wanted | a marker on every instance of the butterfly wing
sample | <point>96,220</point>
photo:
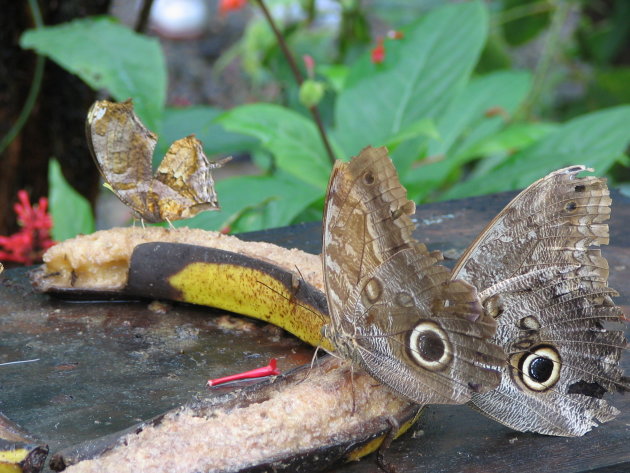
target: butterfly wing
<point>122,148</point>
<point>184,181</point>
<point>546,286</point>
<point>393,309</point>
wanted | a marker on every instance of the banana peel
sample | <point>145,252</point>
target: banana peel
<point>19,452</point>
<point>257,288</point>
<point>229,281</point>
<point>303,421</point>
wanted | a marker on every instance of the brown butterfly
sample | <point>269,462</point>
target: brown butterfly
<point>122,148</point>
<point>394,310</point>
<point>547,289</point>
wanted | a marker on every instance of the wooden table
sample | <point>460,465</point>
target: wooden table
<point>106,366</point>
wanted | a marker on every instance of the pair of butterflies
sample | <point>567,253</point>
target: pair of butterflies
<point>520,327</point>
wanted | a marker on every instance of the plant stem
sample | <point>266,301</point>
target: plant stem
<point>143,17</point>
<point>523,11</point>
<point>550,48</point>
<point>31,98</point>
<point>298,78</point>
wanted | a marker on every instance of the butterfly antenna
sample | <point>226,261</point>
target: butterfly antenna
<point>309,309</point>
<point>308,288</point>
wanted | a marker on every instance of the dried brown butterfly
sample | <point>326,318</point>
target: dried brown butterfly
<point>393,308</point>
<point>123,147</point>
<point>547,288</point>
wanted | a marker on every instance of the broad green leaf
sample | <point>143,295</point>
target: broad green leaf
<point>597,140</point>
<point>479,111</point>
<point>108,55</point>
<point>199,120</point>
<point>251,203</point>
<point>71,212</point>
<point>418,78</point>
<point>290,137</point>
<point>476,114</point>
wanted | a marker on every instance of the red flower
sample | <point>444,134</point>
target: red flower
<point>226,6</point>
<point>27,245</point>
<point>378,53</point>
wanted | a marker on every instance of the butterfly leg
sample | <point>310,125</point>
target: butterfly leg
<point>354,403</point>
<point>384,465</point>
<point>308,373</point>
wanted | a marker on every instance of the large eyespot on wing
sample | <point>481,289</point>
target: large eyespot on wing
<point>429,346</point>
<point>537,369</point>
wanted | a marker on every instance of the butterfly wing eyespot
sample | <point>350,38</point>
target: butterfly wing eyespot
<point>529,322</point>
<point>368,177</point>
<point>429,346</point>
<point>537,369</point>
<point>493,306</point>
<point>570,207</point>
<point>372,291</point>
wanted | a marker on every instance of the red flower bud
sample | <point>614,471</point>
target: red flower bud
<point>378,53</point>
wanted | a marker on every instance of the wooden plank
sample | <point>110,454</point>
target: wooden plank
<point>104,367</point>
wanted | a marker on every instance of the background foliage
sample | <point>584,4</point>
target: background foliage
<point>462,106</point>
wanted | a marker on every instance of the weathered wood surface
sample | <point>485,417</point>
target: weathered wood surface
<point>104,367</point>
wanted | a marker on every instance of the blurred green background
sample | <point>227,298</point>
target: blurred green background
<point>470,97</point>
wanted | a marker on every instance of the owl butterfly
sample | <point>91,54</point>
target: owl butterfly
<point>394,310</point>
<point>540,279</point>
<point>122,148</point>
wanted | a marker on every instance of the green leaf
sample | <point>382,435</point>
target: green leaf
<point>466,123</point>
<point>422,127</point>
<point>71,212</point>
<point>251,203</point>
<point>200,121</point>
<point>513,138</point>
<point>468,118</point>
<point>597,140</point>
<point>291,138</point>
<point>417,80</point>
<point>108,55</point>
<point>335,74</point>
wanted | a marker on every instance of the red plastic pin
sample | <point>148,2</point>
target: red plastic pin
<point>269,370</point>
